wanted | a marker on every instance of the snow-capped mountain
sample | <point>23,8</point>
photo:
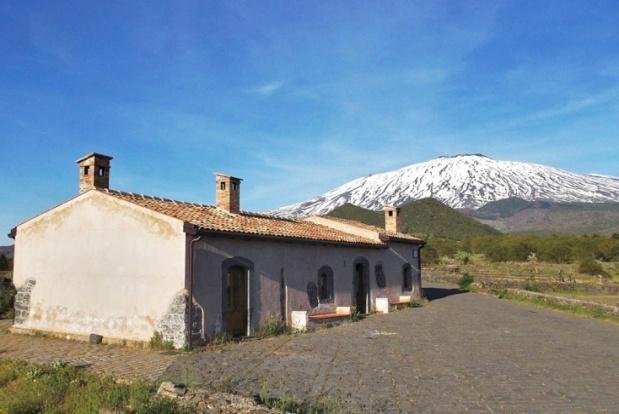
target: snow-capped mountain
<point>462,181</point>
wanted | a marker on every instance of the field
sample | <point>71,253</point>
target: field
<point>561,279</point>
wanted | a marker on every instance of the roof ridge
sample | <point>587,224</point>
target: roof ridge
<point>151,197</point>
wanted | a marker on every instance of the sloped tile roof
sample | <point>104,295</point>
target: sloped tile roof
<point>384,234</point>
<point>208,217</point>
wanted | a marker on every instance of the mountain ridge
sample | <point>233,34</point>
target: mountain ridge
<point>426,218</point>
<point>462,181</point>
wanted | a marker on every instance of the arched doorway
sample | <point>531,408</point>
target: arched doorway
<point>361,286</point>
<point>236,301</point>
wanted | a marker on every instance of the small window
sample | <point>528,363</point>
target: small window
<point>391,214</point>
<point>325,285</point>
<point>381,282</point>
<point>222,185</point>
<point>407,278</point>
<point>415,253</point>
<point>235,186</point>
<point>101,171</point>
<point>86,170</point>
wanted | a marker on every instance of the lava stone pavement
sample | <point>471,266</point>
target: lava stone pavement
<point>117,361</point>
<point>462,352</point>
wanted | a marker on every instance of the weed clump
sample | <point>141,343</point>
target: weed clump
<point>465,281</point>
<point>272,326</point>
<point>157,342</point>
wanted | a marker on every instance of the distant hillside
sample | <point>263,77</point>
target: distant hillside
<point>7,251</point>
<point>514,215</point>
<point>426,217</point>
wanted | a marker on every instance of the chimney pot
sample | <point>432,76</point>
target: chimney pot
<point>228,193</point>
<point>392,219</point>
<point>94,171</point>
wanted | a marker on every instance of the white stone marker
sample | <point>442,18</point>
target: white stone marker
<point>299,320</point>
<point>382,305</point>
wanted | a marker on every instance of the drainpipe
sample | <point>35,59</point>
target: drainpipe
<point>192,231</point>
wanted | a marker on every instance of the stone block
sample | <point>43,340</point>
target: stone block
<point>343,310</point>
<point>95,339</point>
<point>299,320</point>
<point>382,305</point>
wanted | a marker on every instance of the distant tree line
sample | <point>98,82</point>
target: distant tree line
<point>5,264</point>
<point>520,248</point>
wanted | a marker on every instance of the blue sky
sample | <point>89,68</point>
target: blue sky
<point>296,97</point>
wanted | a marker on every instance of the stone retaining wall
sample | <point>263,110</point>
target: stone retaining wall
<point>506,283</point>
<point>561,300</point>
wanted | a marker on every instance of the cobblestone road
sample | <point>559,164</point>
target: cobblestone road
<point>461,353</point>
<point>117,361</point>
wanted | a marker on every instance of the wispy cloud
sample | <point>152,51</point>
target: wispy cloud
<point>267,88</point>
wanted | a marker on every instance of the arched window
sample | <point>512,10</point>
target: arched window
<point>379,273</point>
<point>407,277</point>
<point>325,285</point>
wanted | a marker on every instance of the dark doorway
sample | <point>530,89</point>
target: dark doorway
<point>235,310</point>
<point>361,285</point>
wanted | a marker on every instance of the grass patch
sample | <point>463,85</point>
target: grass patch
<point>414,304</point>
<point>157,342</point>
<point>597,313</point>
<point>287,403</point>
<point>59,388</point>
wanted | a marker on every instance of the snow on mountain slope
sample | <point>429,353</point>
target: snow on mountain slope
<point>462,181</point>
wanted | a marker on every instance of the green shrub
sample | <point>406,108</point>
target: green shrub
<point>465,281</point>
<point>429,255</point>
<point>414,304</point>
<point>462,256</point>
<point>501,293</point>
<point>7,296</point>
<point>598,312</point>
<point>4,263</point>
<point>272,326</point>
<point>532,286</point>
<point>157,342</point>
<point>589,266</point>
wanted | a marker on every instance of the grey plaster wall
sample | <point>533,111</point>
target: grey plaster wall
<point>300,263</point>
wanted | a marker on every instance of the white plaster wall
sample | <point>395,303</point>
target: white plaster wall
<point>301,263</point>
<point>101,265</point>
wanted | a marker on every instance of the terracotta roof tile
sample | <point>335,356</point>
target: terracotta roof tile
<point>208,217</point>
<point>386,235</point>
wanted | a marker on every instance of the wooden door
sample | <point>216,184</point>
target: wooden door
<point>235,314</point>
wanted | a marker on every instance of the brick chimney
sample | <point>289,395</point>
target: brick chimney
<point>94,171</point>
<point>392,219</point>
<point>228,193</point>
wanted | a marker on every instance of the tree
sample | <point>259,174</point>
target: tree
<point>4,263</point>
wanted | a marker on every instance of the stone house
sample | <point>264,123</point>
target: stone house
<point>124,265</point>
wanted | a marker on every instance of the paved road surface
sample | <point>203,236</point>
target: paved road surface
<point>462,352</point>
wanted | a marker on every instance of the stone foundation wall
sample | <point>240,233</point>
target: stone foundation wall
<point>22,301</point>
<point>173,325</point>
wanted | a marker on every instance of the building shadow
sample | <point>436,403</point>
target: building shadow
<point>435,293</point>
